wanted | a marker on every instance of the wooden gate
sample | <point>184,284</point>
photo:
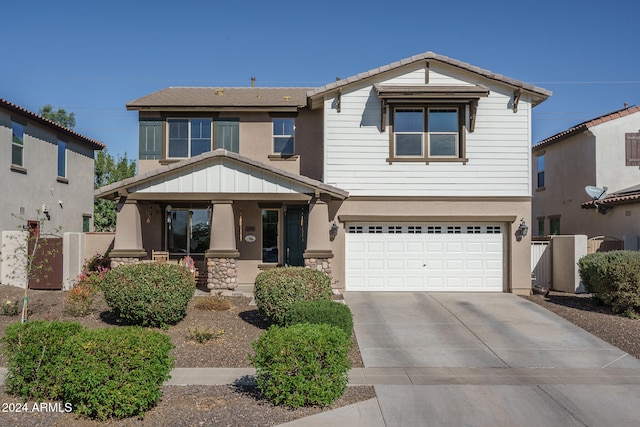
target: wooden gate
<point>604,244</point>
<point>46,267</point>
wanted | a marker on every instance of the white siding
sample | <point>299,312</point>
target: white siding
<point>498,150</point>
<point>221,177</point>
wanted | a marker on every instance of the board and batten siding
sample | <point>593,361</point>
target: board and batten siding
<point>356,151</point>
<point>217,176</point>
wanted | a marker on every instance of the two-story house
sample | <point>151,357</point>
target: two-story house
<point>47,168</point>
<point>410,176</point>
<point>47,176</point>
<point>600,152</point>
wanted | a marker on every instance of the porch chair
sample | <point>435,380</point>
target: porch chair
<point>161,257</point>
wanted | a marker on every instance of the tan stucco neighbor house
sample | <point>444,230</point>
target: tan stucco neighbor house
<point>414,176</point>
<point>600,152</point>
<point>46,167</point>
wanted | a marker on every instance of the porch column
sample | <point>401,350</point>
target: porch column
<point>222,256</point>
<point>127,246</point>
<point>319,255</point>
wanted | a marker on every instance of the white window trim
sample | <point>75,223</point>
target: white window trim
<point>422,136</point>
<point>188,119</point>
<point>283,136</point>
<point>21,146</point>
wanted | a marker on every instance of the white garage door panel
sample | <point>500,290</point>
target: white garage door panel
<point>427,257</point>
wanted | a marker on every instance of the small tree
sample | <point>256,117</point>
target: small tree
<point>59,116</point>
<point>107,171</point>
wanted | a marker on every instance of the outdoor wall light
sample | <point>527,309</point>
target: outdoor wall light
<point>523,228</point>
<point>334,231</point>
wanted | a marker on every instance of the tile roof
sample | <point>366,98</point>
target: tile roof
<point>541,93</point>
<point>213,97</point>
<point>96,145</point>
<point>620,197</point>
<point>584,126</point>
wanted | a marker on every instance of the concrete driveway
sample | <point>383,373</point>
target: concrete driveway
<point>481,359</point>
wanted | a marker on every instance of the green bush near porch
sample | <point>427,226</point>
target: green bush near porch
<point>302,365</point>
<point>615,279</point>
<point>149,294</point>
<point>277,289</point>
<point>320,312</point>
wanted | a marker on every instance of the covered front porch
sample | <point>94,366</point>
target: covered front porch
<point>235,217</point>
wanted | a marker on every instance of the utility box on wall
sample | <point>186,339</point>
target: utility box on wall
<point>567,250</point>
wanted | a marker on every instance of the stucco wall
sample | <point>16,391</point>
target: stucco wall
<point>24,193</point>
<point>517,264</point>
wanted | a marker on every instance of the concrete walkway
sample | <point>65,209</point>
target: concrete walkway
<point>462,359</point>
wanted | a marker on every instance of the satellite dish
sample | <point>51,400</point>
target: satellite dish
<point>596,193</point>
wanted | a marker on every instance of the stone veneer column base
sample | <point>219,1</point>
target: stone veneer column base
<point>322,264</point>
<point>222,273</point>
<point>115,262</point>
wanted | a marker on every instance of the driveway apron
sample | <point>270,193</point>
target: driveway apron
<point>487,359</point>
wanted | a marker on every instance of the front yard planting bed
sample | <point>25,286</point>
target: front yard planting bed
<point>229,405</point>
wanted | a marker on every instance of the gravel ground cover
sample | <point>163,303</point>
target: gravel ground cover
<point>581,310</point>
<point>239,405</point>
<point>227,405</point>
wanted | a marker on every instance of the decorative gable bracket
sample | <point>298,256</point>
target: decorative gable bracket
<point>516,97</point>
<point>430,94</point>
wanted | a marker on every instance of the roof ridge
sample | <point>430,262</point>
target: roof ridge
<point>99,145</point>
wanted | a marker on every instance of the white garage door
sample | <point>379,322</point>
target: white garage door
<point>424,257</point>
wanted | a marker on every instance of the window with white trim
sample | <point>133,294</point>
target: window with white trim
<point>17,144</point>
<point>284,136</point>
<point>188,137</point>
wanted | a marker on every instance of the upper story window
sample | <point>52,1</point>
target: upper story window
<point>632,149</point>
<point>227,134</point>
<point>283,136</point>
<point>62,159</point>
<point>17,144</point>
<point>540,168</point>
<point>189,137</point>
<point>427,134</point>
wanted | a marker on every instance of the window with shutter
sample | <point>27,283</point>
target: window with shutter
<point>632,149</point>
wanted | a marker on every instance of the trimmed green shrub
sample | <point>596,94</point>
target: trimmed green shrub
<point>615,279</point>
<point>276,289</point>
<point>319,312</point>
<point>36,353</point>
<point>149,294</point>
<point>116,372</point>
<point>302,365</point>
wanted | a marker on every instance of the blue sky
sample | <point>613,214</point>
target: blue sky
<point>91,58</point>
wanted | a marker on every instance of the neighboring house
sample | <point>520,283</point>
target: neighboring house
<point>408,177</point>
<point>601,152</point>
<point>47,168</point>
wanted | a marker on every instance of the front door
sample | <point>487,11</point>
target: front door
<point>295,234</point>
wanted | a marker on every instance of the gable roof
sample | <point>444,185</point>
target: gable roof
<point>96,145</point>
<point>222,98</point>
<point>539,94</point>
<point>584,126</point>
<point>151,178</point>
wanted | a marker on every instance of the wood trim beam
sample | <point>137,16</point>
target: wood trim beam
<point>516,97</point>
